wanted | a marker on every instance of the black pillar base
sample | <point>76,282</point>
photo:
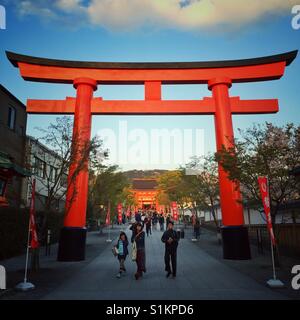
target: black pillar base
<point>235,242</point>
<point>72,244</point>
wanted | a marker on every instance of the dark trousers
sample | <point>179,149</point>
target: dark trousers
<point>140,262</point>
<point>171,255</point>
<point>122,264</point>
<point>148,230</point>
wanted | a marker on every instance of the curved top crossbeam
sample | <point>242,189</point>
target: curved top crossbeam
<point>15,58</point>
<point>65,71</point>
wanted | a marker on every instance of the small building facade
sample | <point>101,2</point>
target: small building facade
<point>45,166</point>
<point>13,121</point>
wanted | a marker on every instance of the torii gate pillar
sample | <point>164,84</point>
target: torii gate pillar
<point>234,233</point>
<point>73,235</point>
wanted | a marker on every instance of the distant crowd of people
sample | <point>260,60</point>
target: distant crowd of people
<point>152,219</point>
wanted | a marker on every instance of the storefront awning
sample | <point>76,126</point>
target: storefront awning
<point>7,165</point>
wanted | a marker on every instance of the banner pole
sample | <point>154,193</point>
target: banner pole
<point>273,261</point>
<point>108,224</point>
<point>272,283</point>
<point>25,286</point>
<point>272,248</point>
<point>27,252</point>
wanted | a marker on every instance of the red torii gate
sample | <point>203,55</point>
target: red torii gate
<point>219,76</point>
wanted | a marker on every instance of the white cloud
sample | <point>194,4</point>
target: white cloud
<point>26,8</point>
<point>69,5</point>
<point>182,14</point>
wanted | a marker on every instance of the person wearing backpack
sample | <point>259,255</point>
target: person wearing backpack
<point>122,249</point>
<point>170,239</point>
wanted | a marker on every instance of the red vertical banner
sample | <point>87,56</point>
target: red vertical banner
<point>175,211</point>
<point>264,191</point>
<point>120,213</point>
<point>107,220</point>
<point>34,237</point>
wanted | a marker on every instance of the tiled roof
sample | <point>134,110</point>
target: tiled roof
<point>144,184</point>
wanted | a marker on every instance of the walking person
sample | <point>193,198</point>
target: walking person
<point>143,216</point>
<point>197,228</point>
<point>154,220</point>
<point>147,222</point>
<point>170,239</point>
<point>138,217</point>
<point>168,220</point>
<point>139,239</point>
<point>122,248</point>
<point>161,222</point>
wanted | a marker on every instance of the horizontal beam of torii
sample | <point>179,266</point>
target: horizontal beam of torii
<point>153,107</point>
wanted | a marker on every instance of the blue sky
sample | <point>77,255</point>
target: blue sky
<point>70,34</point>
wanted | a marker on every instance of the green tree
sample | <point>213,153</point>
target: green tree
<point>202,178</point>
<point>108,187</point>
<point>265,150</point>
<point>172,187</point>
<point>128,197</point>
<point>62,150</point>
<point>60,141</point>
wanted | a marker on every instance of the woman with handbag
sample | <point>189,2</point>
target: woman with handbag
<point>139,240</point>
<point>122,252</point>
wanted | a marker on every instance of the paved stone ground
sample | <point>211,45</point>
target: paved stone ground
<point>201,275</point>
<point>51,273</point>
<point>259,268</point>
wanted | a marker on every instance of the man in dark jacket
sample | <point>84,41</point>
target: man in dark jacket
<point>138,217</point>
<point>170,239</point>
